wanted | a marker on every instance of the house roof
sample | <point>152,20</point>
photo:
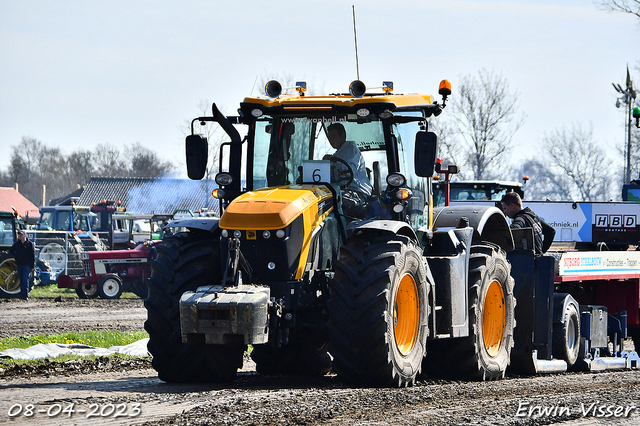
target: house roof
<point>147,195</point>
<point>9,197</point>
<point>66,200</point>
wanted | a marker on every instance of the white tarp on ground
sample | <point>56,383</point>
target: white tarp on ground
<point>53,350</point>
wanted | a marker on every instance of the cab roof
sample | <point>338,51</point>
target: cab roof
<point>292,102</point>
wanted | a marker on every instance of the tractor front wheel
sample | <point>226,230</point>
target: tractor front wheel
<point>185,262</point>
<point>110,286</point>
<point>378,310</point>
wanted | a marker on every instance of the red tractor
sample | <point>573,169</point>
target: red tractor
<point>109,273</point>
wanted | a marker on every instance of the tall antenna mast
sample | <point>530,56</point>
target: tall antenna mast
<point>355,38</point>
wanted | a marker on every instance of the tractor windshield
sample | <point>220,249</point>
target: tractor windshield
<point>284,146</point>
<point>295,150</point>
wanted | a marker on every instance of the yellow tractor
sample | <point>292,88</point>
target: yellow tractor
<point>329,254</point>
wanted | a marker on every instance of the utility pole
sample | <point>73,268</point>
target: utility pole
<point>627,98</point>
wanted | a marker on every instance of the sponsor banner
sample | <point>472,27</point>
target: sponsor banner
<point>599,263</point>
<point>590,222</point>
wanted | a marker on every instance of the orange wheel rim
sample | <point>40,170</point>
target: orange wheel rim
<point>494,323</point>
<point>406,315</point>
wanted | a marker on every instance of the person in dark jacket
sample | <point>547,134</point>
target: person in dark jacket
<point>543,233</point>
<point>25,257</point>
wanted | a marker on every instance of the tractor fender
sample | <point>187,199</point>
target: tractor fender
<point>560,303</point>
<point>210,224</point>
<point>489,223</point>
<point>392,226</point>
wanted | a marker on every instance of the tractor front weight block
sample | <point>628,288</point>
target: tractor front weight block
<point>225,314</point>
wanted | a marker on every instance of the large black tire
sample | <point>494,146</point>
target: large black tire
<point>566,337</point>
<point>185,262</point>
<point>378,322</point>
<point>87,290</point>
<point>485,353</point>
<point>110,286</point>
<point>9,281</point>
<point>305,355</point>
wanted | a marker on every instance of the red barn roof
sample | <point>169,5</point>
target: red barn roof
<point>9,197</point>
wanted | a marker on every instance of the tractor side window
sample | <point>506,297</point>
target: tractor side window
<point>64,221</point>
<point>280,148</point>
<point>94,221</point>
<point>46,221</point>
<point>80,222</point>
<point>261,153</point>
<point>405,134</point>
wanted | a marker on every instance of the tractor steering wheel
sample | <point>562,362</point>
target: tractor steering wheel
<point>348,174</point>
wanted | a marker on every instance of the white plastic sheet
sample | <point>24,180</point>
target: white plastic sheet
<point>53,350</point>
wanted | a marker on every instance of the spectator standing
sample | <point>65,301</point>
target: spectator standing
<point>24,254</point>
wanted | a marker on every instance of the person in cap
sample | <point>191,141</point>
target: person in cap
<point>24,254</point>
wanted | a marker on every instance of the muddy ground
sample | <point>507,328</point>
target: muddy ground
<point>115,392</point>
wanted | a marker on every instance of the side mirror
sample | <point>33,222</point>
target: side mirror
<point>197,149</point>
<point>425,153</point>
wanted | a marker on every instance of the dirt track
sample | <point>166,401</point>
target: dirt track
<point>113,393</point>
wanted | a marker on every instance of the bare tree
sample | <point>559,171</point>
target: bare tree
<point>579,159</point>
<point>485,116</point>
<point>79,167</point>
<point>626,6</point>
<point>543,183</point>
<point>108,161</point>
<point>145,163</point>
<point>24,168</point>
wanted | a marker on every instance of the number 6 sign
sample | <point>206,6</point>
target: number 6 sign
<point>316,171</point>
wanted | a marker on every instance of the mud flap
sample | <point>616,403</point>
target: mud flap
<point>224,314</point>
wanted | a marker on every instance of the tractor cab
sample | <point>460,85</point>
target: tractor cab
<point>361,147</point>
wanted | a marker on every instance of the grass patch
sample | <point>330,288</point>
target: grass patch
<point>99,339</point>
<point>52,291</point>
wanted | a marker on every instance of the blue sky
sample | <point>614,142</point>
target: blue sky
<point>74,73</point>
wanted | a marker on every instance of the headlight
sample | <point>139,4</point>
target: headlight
<point>396,179</point>
<point>84,256</point>
<point>224,179</point>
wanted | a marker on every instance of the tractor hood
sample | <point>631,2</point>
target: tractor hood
<point>276,208</point>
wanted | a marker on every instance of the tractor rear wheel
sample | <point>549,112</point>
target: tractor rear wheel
<point>9,282</point>
<point>378,310</point>
<point>566,337</point>
<point>185,262</point>
<point>485,353</point>
<point>87,290</point>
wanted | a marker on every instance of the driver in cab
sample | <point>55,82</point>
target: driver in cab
<point>360,188</point>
